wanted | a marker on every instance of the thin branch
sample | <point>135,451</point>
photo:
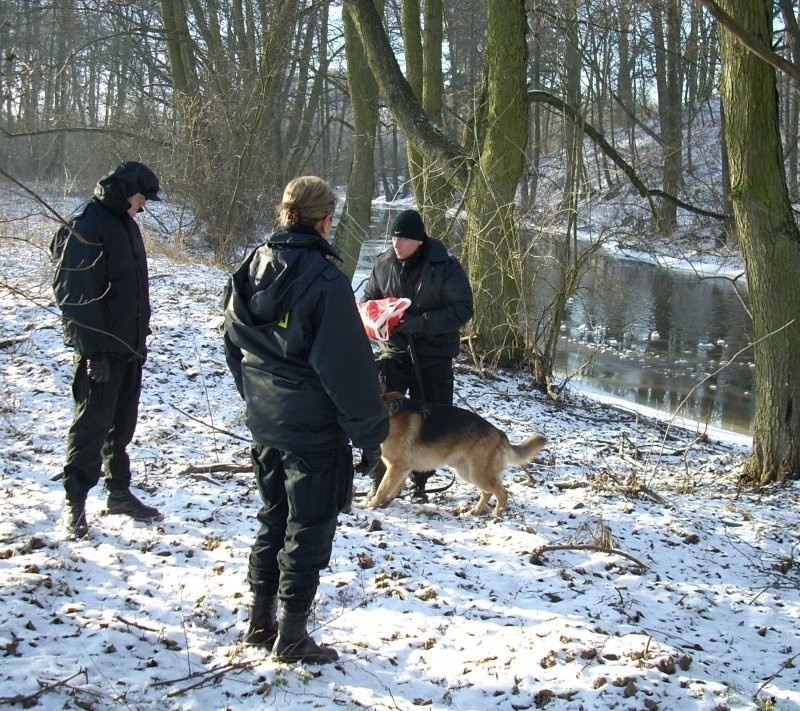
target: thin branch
<point>786,665</point>
<point>138,625</point>
<point>536,555</point>
<point>211,427</point>
<point>26,701</point>
<point>550,99</point>
<point>205,677</point>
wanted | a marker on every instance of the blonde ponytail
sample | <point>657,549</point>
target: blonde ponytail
<point>306,200</point>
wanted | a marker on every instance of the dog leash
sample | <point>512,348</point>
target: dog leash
<point>412,351</point>
<point>439,489</point>
<point>435,490</point>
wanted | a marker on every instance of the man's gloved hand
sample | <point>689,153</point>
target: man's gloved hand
<point>370,462</point>
<point>412,326</point>
<point>98,369</point>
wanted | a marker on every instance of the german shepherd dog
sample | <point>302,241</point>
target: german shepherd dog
<point>424,436</point>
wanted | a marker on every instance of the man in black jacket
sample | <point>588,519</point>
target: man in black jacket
<point>418,357</point>
<point>301,361</point>
<point>101,286</point>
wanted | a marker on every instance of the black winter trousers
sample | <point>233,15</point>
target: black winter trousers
<point>399,375</point>
<point>103,425</point>
<point>302,494</point>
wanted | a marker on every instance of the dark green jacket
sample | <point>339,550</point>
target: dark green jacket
<point>297,349</point>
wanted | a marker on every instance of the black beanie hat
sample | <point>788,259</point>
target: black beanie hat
<point>136,178</point>
<point>408,224</point>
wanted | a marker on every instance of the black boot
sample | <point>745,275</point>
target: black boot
<point>125,503</point>
<point>294,645</point>
<point>372,465</point>
<point>263,627</point>
<point>376,482</point>
<point>77,527</point>
<point>420,479</point>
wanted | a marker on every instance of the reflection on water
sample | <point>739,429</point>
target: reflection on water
<point>663,339</point>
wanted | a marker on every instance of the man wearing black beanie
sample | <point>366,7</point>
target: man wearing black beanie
<point>418,357</point>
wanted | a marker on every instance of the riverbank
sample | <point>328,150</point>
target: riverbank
<point>662,331</point>
<point>629,568</point>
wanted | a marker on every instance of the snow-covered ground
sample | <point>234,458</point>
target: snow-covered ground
<point>629,571</point>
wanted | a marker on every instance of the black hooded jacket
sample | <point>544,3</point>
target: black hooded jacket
<point>297,349</point>
<point>101,280</point>
<point>439,291</point>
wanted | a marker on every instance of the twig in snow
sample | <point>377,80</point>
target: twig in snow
<point>28,700</point>
<point>136,624</point>
<point>210,468</point>
<point>563,485</point>
<point>786,665</point>
<point>536,555</point>
<point>211,427</point>
<point>635,490</point>
<point>204,677</point>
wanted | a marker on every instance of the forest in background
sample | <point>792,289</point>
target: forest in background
<point>462,103</point>
<point>232,99</point>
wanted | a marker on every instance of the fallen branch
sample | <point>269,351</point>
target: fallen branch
<point>220,467</point>
<point>211,427</point>
<point>196,471</point>
<point>536,555</point>
<point>639,489</point>
<point>11,341</point>
<point>564,485</point>
<point>786,665</point>
<point>204,677</point>
<point>137,625</point>
<point>634,489</point>
<point>28,700</point>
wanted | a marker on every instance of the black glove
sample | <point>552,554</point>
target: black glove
<point>98,369</point>
<point>412,326</point>
<point>370,462</point>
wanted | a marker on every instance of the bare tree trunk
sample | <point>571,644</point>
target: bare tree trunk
<point>790,98</point>
<point>573,134</point>
<point>412,44</point>
<point>770,243</point>
<point>492,241</point>
<point>534,149</point>
<point>353,227</point>
<point>423,46</point>
<point>625,68</point>
<point>667,33</point>
<point>436,190</point>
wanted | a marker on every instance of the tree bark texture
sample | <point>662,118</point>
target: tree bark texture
<point>769,239</point>
<point>353,227</point>
<point>492,250</point>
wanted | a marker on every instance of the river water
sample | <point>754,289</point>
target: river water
<point>661,338</point>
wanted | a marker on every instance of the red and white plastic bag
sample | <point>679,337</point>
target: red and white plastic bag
<point>381,316</point>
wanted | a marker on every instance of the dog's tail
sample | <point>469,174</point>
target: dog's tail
<point>525,451</point>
